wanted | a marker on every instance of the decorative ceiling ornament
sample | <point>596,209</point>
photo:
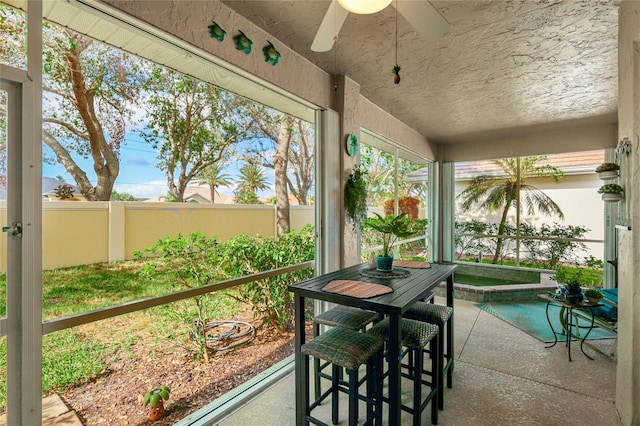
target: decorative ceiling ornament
<point>271,55</point>
<point>396,69</point>
<point>396,74</point>
<point>243,42</point>
<point>216,32</point>
<point>364,7</point>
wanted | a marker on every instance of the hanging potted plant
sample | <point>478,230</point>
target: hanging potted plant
<point>355,195</point>
<point>611,192</point>
<point>607,171</point>
<point>391,227</point>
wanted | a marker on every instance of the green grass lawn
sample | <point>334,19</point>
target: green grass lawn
<point>73,356</point>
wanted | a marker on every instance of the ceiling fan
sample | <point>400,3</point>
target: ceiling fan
<point>424,18</point>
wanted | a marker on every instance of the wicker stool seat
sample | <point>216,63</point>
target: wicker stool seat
<point>416,335</point>
<point>346,317</point>
<point>349,349</point>
<point>441,316</point>
<point>340,316</point>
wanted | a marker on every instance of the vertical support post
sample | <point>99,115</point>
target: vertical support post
<point>24,280</point>
<point>301,364</point>
<point>116,231</point>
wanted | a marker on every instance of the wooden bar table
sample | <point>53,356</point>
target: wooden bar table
<point>416,285</point>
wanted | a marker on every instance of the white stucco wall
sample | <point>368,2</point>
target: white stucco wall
<point>628,369</point>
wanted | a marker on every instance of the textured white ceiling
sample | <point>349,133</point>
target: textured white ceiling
<point>501,65</point>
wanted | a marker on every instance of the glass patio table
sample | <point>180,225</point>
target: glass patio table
<point>406,291</point>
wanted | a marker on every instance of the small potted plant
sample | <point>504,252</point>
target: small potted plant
<point>611,192</point>
<point>593,294</point>
<point>391,227</point>
<point>607,171</point>
<point>155,397</point>
<point>571,281</point>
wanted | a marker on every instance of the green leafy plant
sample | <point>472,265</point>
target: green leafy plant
<point>611,188</point>
<point>607,167</point>
<point>393,227</point>
<point>555,243</point>
<point>191,261</point>
<point>270,298</point>
<point>593,294</point>
<point>355,195</point>
<point>570,277</point>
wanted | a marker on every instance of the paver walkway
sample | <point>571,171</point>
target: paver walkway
<point>54,412</point>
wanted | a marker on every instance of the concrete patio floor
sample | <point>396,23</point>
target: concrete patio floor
<point>502,376</point>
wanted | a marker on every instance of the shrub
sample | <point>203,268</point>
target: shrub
<point>270,299</point>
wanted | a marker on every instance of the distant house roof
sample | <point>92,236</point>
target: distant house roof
<point>196,194</point>
<point>49,185</point>
<point>571,163</point>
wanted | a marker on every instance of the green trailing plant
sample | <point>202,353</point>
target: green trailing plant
<point>393,227</point>
<point>355,195</point>
<point>610,188</point>
<point>607,167</point>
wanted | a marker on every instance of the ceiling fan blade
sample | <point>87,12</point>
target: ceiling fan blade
<point>329,28</point>
<point>424,18</point>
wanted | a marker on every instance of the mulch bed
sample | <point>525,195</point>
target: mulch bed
<point>116,397</point>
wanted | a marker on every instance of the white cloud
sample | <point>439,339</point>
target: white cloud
<point>149,189</point>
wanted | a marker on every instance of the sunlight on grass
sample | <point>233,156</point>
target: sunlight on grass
<point>74,356</point>
<point>67,358</point>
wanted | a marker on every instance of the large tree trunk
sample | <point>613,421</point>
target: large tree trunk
<point>501,228</point>
<point>105,161</point>
<point>280,162</point>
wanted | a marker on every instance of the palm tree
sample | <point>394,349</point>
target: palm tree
<point>214,177</point>
<point>252,179</point>
<point>501,192</point>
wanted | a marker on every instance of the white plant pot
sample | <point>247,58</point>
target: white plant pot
<point>611,198</point>
<point>608,175</point>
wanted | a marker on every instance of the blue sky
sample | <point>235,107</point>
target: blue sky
<point>139,175</point>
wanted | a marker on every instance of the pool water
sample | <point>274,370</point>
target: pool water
<point>483,281</point>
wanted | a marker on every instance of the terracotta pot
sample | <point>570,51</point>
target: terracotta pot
<point>156,412</point>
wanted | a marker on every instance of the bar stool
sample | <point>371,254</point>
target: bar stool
<point>438,315</point>
<point>349,349</point>
<point>340,316</point>
<point>415,335</point>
